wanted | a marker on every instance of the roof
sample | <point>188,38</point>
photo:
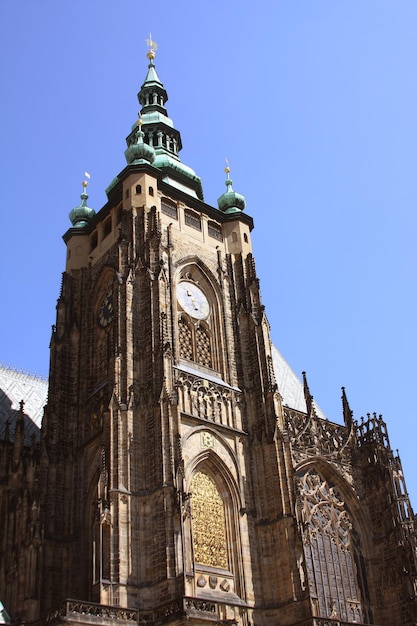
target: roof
<point>4,616</point>
<point>15,386</point>
<point>290,386</point>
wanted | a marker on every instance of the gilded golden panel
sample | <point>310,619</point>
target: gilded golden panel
<point>209,525</point>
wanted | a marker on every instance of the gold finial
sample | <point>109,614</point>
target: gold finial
<point>140,121</point>
<point>85,182</point>
<point>153,47</point>
<point>227,168</point>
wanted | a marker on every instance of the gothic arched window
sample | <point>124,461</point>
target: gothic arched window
<point>198,320</point>
<point>194,343</point>
<point>332,551</point>
<point>185,340</point>
<point>202,346</point>
<point>208,522</point>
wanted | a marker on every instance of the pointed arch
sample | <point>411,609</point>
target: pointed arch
<point>215,502</point>
<point>208,522</point>
<point>333,549</point>
<point>205,333</point>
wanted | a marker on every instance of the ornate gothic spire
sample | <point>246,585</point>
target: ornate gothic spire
<point>157,131</point>
<point>308,397</point>
<point>347,413</point>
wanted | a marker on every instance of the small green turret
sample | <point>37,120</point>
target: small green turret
<point>82,215</point>
<point>231,201</point>
<point>140,151</point>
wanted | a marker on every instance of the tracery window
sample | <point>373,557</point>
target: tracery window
<point>208,522</point>
<point>185,340</point>
<point>202,345</point>
<point>332,551</point>
<point>194,343</point>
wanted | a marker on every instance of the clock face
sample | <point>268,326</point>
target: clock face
<point>105,314</point>
<point>192,300</point>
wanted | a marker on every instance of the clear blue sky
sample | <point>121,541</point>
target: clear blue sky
<point>314,104</point>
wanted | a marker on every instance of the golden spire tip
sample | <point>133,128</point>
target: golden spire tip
<point>85,182</point>
<point>153,47</point>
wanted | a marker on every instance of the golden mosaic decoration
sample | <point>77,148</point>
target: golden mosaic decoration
<point>209,524</point>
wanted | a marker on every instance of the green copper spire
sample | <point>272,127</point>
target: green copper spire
<point>231,201</point>
<point>82,215</point>
<point>158,132</point>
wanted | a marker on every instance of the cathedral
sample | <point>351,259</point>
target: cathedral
<point>177,471</point>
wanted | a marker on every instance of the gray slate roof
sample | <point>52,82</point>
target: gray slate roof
<point>290,386</point>
<point>14,387</point>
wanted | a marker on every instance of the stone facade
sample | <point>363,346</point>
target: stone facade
<point>171,484</point>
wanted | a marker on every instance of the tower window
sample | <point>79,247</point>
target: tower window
<point>138,190</point>
<point>202,345</point>
<point>245,238</point>
<point>93,241</point>
<point>150,191</point>
<point>127,193</point>
<point>215,231</point>
<point>192,219</point>
<point>194,343</point>
<point>185,340</point>
<point>106,228</point>
<point>169,208</point>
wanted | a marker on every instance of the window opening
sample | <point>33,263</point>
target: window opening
<point>192,219</point>
<point>334,562</point>
<point>106,228</point>
<point>93,241</point>
<point>203,351</point>
<point>215,231</point>
<point>185,340</point>
<point>168,208</point>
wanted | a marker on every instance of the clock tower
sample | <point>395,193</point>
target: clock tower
<point>163,403</point>
<point>184,473</point>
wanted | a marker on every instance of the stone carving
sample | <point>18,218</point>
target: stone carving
<point>207,440</point>
<point>213,582</point>
<point>201,605</point>
<point>208,400</point>
<point>314,436</point>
